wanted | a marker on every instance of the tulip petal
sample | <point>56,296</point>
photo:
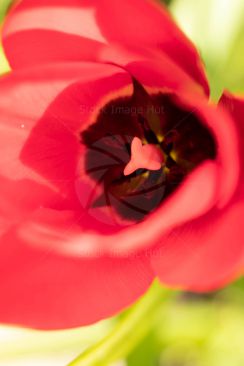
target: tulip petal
<point>20,197</point>
<point>46,290</point>
<point>235,106</point>
<point>39,31</point>
<point>204,254</point>
<point>40,284</point>
<point>208,252</point>
<point>148,24</point>
<point>40,144</point>
<point>152,69</point>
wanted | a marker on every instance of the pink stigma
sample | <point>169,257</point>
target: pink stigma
<point>143,157</point>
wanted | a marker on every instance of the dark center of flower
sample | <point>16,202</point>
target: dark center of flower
<point>140,149</point>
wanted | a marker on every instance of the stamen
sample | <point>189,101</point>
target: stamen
<point>149,134</point>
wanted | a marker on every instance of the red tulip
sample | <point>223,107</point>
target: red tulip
<point>87,221</point>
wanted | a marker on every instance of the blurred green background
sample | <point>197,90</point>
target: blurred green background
<point>185,329</point>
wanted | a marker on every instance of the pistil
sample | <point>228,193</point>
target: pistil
<point>148,157</point>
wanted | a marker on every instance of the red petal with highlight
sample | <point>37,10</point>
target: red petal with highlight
<point>208,252</point>
<point>40,31</point>
<point>50,290</point>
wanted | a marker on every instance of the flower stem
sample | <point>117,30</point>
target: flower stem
<point>130,330</point>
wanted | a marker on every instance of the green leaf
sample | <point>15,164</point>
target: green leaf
<point>4,5</point>
<point>216,27</point>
